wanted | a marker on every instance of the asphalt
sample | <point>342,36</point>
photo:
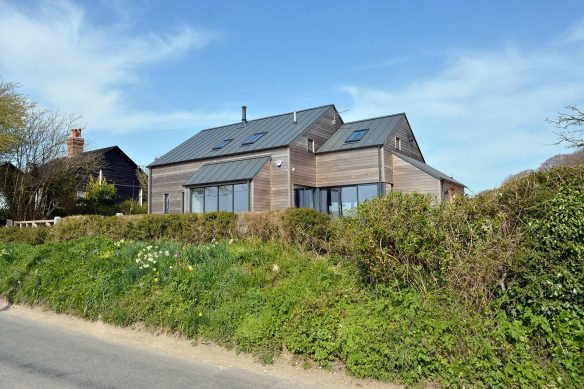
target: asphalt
<point>39,355</point>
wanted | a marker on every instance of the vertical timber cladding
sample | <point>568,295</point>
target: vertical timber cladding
<point>408,178</point>
<point>303,170</point>
<point>170,179</point>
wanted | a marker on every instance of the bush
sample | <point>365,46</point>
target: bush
<point>131,207</point>
<point>308,227</point>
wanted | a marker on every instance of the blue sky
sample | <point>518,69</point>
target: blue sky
<point>476,79</point>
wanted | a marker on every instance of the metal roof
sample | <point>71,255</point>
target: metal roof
<point>427,168</point>
<point>379,131</point>
<point>280,132</point>
<point>234,170</point>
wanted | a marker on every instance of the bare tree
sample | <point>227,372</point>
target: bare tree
<point>46,179</point>
<point>143,181</point>
<point>570,127</point>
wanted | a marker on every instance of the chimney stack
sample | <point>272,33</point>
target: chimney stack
<point>244,115</point>
<point>75,143</point>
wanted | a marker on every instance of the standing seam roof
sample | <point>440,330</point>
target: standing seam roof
<point>281,131</point>
<point>234,170</point>
<point>427,168</point>
<point>379,131</point>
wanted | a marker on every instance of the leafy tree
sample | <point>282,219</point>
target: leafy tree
<point>99,193</point>
<point>13,110</point>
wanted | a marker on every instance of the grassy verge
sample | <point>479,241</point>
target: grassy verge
<point>260,297</point>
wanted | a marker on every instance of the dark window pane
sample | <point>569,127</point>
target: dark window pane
<point>308,198</point>
<point>240,198</point>
<point>226,198</point>
<point>333,202</point>
<point>166,204</point>
<point>298,199</point>
<point>211,199</point>
<point>311,145</point>
<point>222,144</point>
<point>356,136</point>
<point>349,199</point>
<point>367,192</point>
<point>182,202</point>
<point>253,138</point>
<point>197,196</point>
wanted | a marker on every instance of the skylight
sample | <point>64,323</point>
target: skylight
<point>356,136</point>
<point>222,144</point>
<point>253,138</point>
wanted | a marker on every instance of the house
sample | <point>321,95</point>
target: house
<point>114,165</point>
<point>309,158</point>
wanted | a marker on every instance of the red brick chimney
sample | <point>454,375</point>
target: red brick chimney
<point>75,143</point>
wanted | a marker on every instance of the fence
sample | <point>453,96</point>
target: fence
<point>33,223</point>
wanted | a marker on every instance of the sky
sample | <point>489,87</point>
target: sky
<point>476,79</point>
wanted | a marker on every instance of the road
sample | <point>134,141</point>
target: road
<point>39,355</point>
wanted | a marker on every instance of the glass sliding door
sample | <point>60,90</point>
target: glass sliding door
<point>348,199</point>
<point>367,192</point>
<point>226,198</point>
<point>197,200</point>
<point>241,197</point>
<point>211,199</point>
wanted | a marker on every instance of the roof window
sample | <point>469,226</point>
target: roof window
<point>222,144</point>
<point>253,138</point>
<point>356,136</point>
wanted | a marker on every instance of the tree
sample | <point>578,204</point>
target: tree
<point>45,179</point>
<point>570,127</point>
<point>143,181</point>
<point>13,109</point>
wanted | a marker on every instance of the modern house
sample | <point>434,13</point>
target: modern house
<point>113,163</point>
<point>307,158</point>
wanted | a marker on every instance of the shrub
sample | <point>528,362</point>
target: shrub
<point>131,207</point>
<point>308,227</point>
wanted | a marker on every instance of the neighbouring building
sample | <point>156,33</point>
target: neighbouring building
<point>113,164</point>
<point>308,158</point>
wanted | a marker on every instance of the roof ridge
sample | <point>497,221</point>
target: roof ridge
<point>268,117</point>
<point>375,118</point>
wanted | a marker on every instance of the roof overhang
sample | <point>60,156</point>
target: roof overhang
<point>234,170</point>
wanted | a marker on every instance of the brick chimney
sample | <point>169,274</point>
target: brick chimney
<point>75,143</point>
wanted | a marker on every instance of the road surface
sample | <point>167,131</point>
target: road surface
<point>38,355</point>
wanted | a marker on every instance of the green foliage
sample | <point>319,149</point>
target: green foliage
<point>486,292</point>
<point>131,207</point>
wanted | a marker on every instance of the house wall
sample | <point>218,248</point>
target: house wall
<point>347,167</point>
<point>408,178</point>
<point>121,171</point>
<point>451,191</point>
<point>261,187</point>
<point>303,162</point>
<point>170,179</point>
<point>409,146</point>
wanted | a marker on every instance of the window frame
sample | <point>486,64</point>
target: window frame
<point>359,134</point>
<point>222,144</point>
<point>398,144</point>
<point>251,139</point>
<point>165,203</point>
<point>206,200</point>
<point>310,145</point>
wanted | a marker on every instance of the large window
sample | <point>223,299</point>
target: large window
<point>197,200</point>
<point>304,197</point>
<point>226,198</point>
<point>340,201</point>
<point>229,198</point>
<point>240,198</point>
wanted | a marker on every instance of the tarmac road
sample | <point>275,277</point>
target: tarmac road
<point>38,355</point>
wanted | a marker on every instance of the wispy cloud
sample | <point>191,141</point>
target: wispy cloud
<point>482,117</point>
<point>72,65</point>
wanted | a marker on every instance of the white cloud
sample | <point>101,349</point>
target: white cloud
<point>482,117</point>
<point>70,64</point>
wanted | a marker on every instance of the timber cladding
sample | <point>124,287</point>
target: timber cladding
<point>348,167</point>
<point>303,162</point>
<point>169,179</point>
<point>408,178</point>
